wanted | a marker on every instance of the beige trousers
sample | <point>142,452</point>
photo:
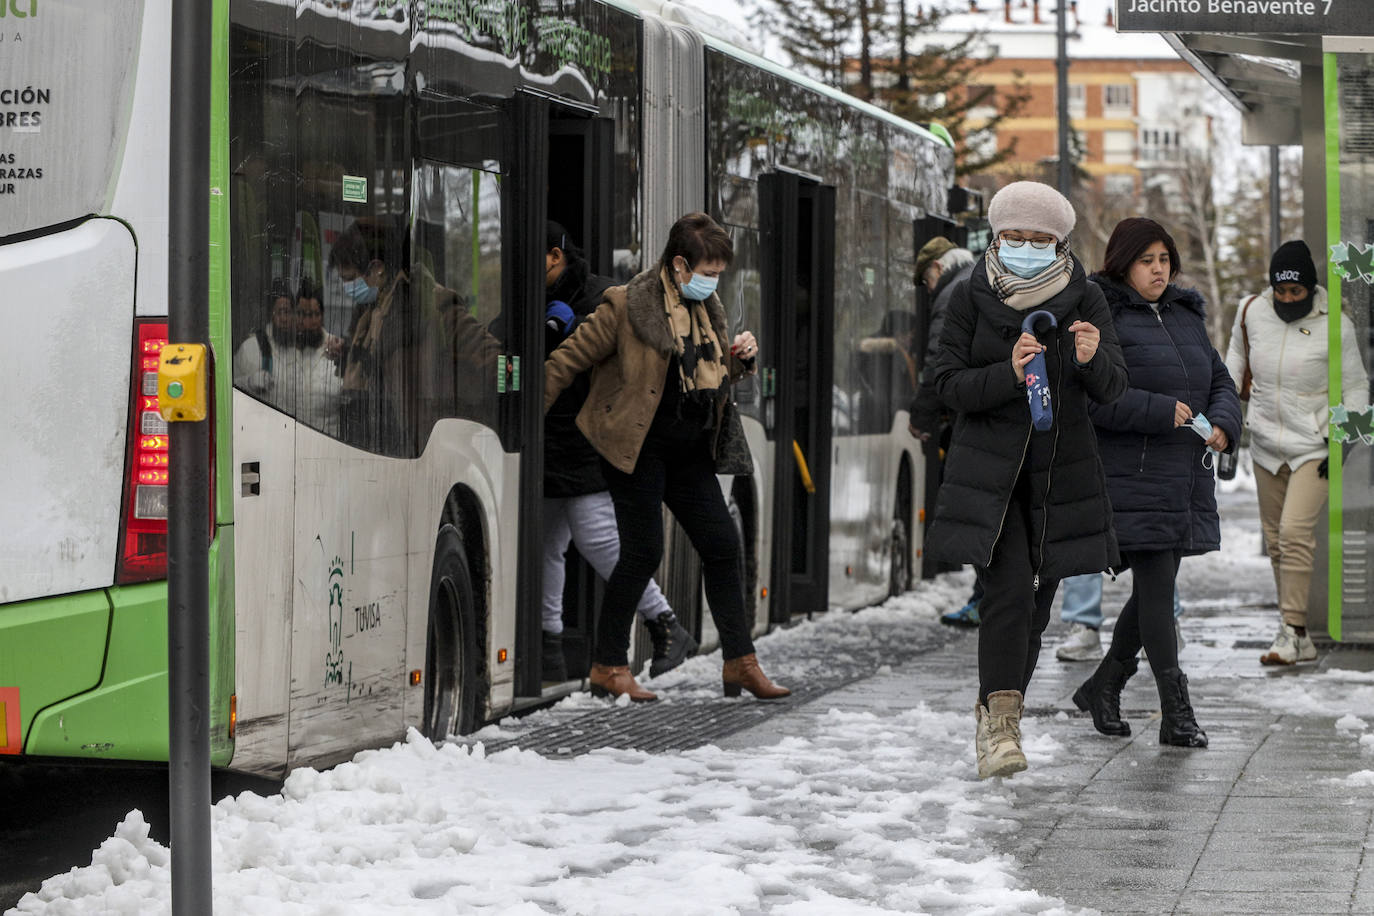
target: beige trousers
<point>1290,504</point>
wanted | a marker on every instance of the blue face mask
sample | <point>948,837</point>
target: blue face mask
<point>1026,261</point>
<point>358,290</point>
<point>699,287</point>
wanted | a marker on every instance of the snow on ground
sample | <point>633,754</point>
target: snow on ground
<point>869,814</point>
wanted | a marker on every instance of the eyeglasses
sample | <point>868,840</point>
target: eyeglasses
<point>1034,243</point>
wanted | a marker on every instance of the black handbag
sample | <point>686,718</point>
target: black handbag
<point>732,449</point>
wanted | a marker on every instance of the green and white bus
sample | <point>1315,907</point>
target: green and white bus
<point>375,552</point>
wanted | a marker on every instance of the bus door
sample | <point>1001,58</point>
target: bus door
<point>797,341</point>
<point>580,157</point>
<point>560,161</point>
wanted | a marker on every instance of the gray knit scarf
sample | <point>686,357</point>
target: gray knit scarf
<point>1021,293</point>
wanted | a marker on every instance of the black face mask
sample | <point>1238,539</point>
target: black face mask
<point>1292,311</point>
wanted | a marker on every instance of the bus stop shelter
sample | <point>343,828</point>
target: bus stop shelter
<point>1301,72</point>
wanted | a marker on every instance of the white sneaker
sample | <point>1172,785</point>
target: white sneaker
<point>1083,644</point>
<point>1289,648</point>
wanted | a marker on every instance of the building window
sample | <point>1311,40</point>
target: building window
<point>1118,147</point>
<point>1117,98</point>
<point>1078,100</point>
<point>1158,145</point>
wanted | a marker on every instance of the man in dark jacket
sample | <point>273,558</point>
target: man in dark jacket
<point>577,504</point>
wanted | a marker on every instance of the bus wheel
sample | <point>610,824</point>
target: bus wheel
<point>899,578</point>
<point>451,676</point>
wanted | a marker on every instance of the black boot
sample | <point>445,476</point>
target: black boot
<point>553,666</point>
<point>673,645</point>
<point>1101,695</point>
<point>1177,726</point>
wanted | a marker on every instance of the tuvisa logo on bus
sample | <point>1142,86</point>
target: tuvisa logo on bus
<point>333,660</point>
<point>19,9</point>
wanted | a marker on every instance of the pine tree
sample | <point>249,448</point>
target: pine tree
<point>814,34</point>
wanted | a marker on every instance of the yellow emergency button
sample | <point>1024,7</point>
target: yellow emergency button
<point>181,382</point>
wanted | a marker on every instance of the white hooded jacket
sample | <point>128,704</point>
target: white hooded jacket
<point>1288,416</point>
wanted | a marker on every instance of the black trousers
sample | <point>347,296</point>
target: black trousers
<point>680,474</point>
<point>1013,613</point>
<point>1148,616</point>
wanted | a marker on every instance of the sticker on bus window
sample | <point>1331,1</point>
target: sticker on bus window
<point>1352,427</point>
<point>355,189</point>
<point>10,742</point>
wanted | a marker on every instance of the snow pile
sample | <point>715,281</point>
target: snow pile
<point>876,814</point>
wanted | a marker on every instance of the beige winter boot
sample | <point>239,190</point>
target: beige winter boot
<point>999,735</point>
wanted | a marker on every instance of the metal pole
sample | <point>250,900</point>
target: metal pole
<point>1062,100</point>
<point>188,616</point>
<point>1275,201</point>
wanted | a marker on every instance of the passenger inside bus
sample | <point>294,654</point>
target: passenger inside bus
<point>315,372</point>
<point>373,406</point>
<point>260,356</point>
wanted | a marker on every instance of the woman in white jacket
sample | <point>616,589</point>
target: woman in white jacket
<point>1280,336</point>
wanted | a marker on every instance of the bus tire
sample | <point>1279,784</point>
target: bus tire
<point>899,569</point>
<point>451,677</point>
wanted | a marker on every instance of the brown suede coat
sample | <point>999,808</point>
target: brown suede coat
<point>626,343</point>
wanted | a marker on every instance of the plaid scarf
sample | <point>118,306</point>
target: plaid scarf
<point>699,356</point>
<point>1021,293</point>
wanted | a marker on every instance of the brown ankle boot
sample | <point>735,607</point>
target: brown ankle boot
<point>744,673</point>
<point>612,681</point>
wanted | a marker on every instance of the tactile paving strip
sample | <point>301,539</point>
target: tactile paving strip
<point>689,723</point>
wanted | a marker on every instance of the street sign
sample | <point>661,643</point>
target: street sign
<point>1274,17</point>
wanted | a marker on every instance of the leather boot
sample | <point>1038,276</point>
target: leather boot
<point>673,645</point>
<point>1177,725</point>
<point>1101,696</point>
<point>615,680</point>
<point>999,735</point>
<point>744,673</point>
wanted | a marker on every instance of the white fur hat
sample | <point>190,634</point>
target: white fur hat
<point>1031,207</point>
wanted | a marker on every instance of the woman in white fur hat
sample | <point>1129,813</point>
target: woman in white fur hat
<point>1028,507</point>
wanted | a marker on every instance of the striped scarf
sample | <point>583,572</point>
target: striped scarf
<point>700,357</point>
<point>1021,293</point>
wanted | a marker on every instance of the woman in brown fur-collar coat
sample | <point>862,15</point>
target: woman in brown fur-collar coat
<point>657,414</point>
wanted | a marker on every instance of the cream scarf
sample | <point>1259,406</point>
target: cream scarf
<point>1021,293</point>
<point>699,354</point>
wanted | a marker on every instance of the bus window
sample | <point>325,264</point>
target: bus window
<point>457,282</point>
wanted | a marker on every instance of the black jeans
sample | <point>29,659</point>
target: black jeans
<point>1148,616</point>
<point>1012,614</point>
<point>680,473</point>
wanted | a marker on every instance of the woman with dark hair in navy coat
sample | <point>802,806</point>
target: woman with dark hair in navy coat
<point>1158,444</point>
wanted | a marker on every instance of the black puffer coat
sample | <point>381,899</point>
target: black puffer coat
<point>1162,496</point>
<point>571,466</point>
<point>993,438</point>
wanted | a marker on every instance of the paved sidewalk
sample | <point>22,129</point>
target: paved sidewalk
<point>1268,819</point>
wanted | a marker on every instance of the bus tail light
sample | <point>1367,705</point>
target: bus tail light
<point>143,535</point>
<point>233,715</point>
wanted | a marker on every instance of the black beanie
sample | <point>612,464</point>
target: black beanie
<point>1292,263</point>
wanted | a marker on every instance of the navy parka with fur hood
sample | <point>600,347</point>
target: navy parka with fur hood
<point>1162,496</point>
<point>994,443</point>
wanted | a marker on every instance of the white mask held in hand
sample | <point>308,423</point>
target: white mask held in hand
<point>1203,427</point>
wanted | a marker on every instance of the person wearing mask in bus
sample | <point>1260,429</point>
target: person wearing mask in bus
<point>315,374</point>
<point>1025,506</point>
<point>1277,358</point>
<point>659,413</point>
<point>1159,444</point>
<point>373,407</point>
<point>260,357</point>
<point>577,505</point>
